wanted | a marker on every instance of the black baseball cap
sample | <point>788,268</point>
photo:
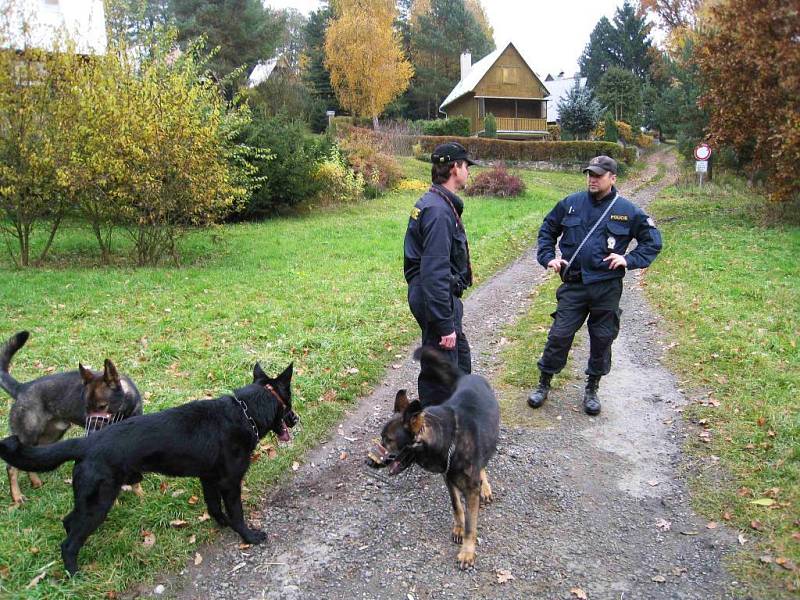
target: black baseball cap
<point>600,165</point>
<point>450,152</point>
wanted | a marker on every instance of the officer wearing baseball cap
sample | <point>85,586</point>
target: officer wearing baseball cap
<point>596,227</point>
<point>437,264</point>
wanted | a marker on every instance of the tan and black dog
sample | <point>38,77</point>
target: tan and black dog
<point>46,407</point>
<point>455,437</point>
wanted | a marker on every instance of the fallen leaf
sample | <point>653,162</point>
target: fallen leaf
<point>742,539</point>
<point>727,516</point>
<point>579,593</point>
<point>785,563</point>
<point>658,579</point>
<point>343,456</point>
<point>243,546</point>
<point>743,491</point>
<point>352,371</point>
<point>773,492</point>
<point>163,487</point>
<point>504,575</point>
<point>177,493</point>
<point>193,500</point>
<point>761,421</point>
<point>763,502</point>
<point>756,524</point>
<point>111,595</point>
<point>192,539</point>
<point>396,366</point>
<point>664,525</point>
<point>197,559</point>
<point>711,525</point>
<point>34,550</point>
<point>178,523</point>
<point>328,396</point>
<point>678,571</point>
<point>204,517</point>
<point>766,559</point>
<point>148,538</point>
<point>796,535</point>
<point>295,466</point>
<point>4,571</point>
<point>653,482</point>
<point>36,580</point>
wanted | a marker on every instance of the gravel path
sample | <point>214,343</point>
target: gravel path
<point>584,507</point>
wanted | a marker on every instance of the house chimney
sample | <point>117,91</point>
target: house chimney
<point>466,64</point>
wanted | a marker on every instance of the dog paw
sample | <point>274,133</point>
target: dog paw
<point>486,497</point>
<point>466,559</point>
<point>255,536</point>
<point>458,534</point>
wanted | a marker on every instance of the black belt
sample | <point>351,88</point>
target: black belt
<point>570,276</point>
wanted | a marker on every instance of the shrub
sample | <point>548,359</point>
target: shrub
<point>286,170</point>
<point>379,170</point>
<point>419,152</point>
<point>611,131</point>
<point>558,152</point>
<point>336,182</point>
<point>554,132</point>
<point>644,141</point>
<point>625,131</point>
<point>490,126</point>
<point>457,126</point>
<point>496,182</point>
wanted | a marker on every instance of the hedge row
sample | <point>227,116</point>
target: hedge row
<point>557,152</point>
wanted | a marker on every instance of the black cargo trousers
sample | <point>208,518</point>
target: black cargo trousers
<point>576,300</point>
<point>429,391</point>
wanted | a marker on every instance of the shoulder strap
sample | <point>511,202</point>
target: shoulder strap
<point>591,231</point>
<point>460,223</point>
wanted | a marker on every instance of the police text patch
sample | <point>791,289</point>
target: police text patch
<point>415,213</point>
<point>619,217</point>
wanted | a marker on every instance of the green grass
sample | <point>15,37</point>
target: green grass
<point>324,289</point>
<point>730,290</point>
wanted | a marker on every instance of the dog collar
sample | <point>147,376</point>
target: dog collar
<point>250,420</point>
<point>275,393</point>
<point>453,443</point>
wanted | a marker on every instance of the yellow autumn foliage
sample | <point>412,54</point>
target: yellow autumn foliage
<point>365,57</point>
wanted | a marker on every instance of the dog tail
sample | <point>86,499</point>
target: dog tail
<point>436,367</point>
<point>7,382</point>
<point>41,458</point>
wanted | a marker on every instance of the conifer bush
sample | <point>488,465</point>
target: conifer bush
<point>496,182</point>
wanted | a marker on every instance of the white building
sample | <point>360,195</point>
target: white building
<point>45,23</point>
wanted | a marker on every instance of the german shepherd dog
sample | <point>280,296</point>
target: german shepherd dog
<point>208,439</point>
<point>46,407</point>
<point>456,437</point>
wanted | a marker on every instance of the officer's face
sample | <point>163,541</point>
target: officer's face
<point>461,174</point>
<point>600,185</point>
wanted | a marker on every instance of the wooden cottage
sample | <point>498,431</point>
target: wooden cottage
<point>503,84</point>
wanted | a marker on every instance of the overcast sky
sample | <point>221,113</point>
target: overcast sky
<point>552,33</point>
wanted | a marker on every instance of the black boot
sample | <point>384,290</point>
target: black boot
<point>539,395</point>
<point>591,403</point>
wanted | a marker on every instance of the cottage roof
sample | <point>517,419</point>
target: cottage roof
<point>559,88</point>
<point>48,21</point>
<point>477,72</point>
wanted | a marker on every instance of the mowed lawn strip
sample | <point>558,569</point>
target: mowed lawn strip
<point>730,291</point>
<point>324,290</point>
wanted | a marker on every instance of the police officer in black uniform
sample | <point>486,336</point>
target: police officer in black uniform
<point>591,274</point>
<point>436,261</point>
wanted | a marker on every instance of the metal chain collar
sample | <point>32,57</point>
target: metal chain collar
<point>253,426</point>
<point>452,445</point>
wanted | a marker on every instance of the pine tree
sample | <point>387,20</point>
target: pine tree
<point>578,112</point>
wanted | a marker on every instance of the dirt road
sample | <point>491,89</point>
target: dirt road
<point>595,506</point>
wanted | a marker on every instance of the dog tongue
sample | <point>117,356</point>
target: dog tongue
<point>395,468</point>
<point>284,434</point>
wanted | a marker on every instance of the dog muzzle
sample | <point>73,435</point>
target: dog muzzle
<point>99,420</point>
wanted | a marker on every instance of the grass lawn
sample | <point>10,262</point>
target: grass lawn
<point>324,289</point>
<point>730,291</point>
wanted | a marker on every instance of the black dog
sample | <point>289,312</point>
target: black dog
<point>209,439</point>
<point>456,438</point>
<point>46,407</point>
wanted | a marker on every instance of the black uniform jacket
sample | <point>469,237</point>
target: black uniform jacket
<point>574,216</point>
<point>436,255</point>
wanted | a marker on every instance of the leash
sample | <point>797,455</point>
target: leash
<point>444,197</point>
<point>588,235</point>
<point>243,406</point>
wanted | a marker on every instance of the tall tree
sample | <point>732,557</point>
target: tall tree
<point>365,57</point>
<point>749,57</point>
<point>625,43</point>
<point>314,72</point>
<point>621,92</point>
<point>440,31</point>
<point>578,112</point>
<point>244,30</point>
<point>136,20</point>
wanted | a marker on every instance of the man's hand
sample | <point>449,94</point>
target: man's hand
<point>448,342</point>
<point>617,261</point>
<point>556,264</point>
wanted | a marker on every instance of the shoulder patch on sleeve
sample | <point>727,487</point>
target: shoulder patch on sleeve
<point>415,213</point>
<point>651,222</point>
<point>619,217</point>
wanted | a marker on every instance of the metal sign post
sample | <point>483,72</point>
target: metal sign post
<point>702,153</point>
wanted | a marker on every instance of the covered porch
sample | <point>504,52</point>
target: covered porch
<point>516,117</point>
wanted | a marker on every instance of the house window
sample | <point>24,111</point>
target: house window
<point>510,75</point>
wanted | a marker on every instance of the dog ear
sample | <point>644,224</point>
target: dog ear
<point>414,408</point>
<point>110,374</point>
<point>400,401</point>
<point>86,374</point>
<point>286,376</point>
<point>416,423</point>
<point>258,374</point>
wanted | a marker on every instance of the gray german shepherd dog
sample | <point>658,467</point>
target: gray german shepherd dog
<point>46,407</point>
